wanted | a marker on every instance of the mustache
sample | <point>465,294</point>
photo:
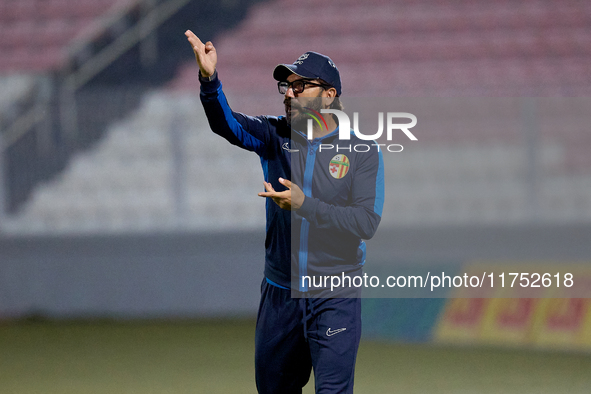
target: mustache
<point>294,104</point>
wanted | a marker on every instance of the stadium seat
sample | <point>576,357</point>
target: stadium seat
<point>383,48</point>
<point>53,23</point>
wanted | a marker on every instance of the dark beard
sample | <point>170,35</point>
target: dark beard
<point>295,111</point>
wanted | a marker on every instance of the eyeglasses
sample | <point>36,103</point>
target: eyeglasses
<point>297,86</point>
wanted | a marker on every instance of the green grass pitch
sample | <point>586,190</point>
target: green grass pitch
<point>217,357</point>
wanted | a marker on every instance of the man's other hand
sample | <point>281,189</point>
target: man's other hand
<point>290,199</point>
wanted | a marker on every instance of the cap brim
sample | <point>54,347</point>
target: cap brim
<point>282,71</point>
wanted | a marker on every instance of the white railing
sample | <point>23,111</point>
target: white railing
<point>154,15</point>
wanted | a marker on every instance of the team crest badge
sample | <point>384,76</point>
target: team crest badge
<point>339,166</point>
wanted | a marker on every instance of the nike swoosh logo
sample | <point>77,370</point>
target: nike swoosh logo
<point>286,147</point>
<point>330,333</point>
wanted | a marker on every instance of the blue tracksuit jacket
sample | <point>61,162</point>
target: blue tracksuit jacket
<point>339,210</point>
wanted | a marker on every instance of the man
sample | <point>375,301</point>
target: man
<point>320,205</point>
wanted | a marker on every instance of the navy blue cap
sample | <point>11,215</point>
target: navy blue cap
<point>311,65</point>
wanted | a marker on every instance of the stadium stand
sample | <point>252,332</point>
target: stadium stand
<point>533,48</point>
<point>129,182</point>
<point>420,48</point>
<point>35,34</point>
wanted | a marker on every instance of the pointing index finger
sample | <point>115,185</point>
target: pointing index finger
<point>193,39</point>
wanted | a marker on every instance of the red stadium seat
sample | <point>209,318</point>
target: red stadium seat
<point>53,23</point>
<point>475,47</point>
<point>16,10</point>
<point>67,9</point>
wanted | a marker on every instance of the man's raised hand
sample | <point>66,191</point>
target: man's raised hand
<point>205,54</point>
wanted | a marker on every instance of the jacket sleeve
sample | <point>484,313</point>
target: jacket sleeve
<point>248,132</point>
<point>362,215</point>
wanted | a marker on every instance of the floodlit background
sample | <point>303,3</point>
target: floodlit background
<point>132,239</point>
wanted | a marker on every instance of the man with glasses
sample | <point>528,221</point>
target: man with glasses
<point>321,204</point>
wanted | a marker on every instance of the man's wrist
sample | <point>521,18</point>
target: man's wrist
<point>209,78</point>
<point>298,204</point>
